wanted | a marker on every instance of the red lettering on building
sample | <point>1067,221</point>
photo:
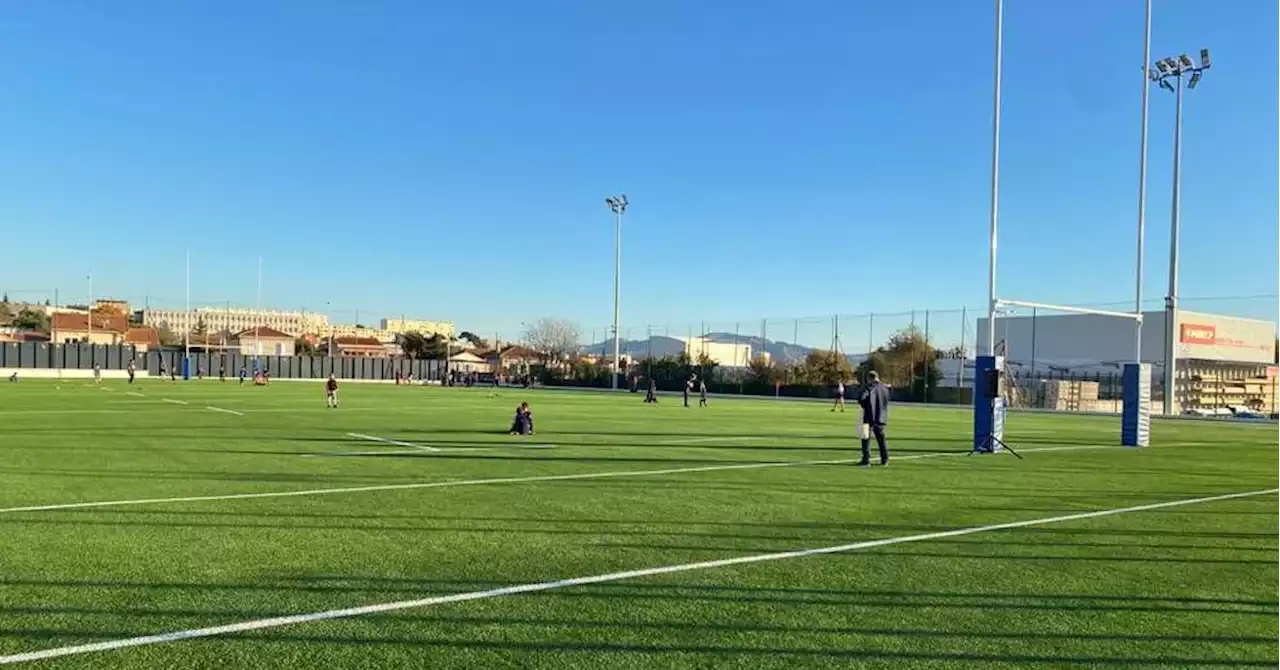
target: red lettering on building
<point>1198,334</point>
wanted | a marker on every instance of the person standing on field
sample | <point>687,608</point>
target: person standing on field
<point>839,397</point>
<point>331,392</point>
<point>875,414</point>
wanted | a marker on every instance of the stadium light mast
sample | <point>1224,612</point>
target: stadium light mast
<point>1168,75</point>
<point>618,204</point>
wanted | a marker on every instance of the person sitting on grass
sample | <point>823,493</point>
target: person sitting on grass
<point>522,424</point>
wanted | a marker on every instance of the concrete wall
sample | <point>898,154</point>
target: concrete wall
<point>37,359</point>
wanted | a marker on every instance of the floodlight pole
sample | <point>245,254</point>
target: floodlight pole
<point>1171,301</point>
<point>995,182</point>
<point>619,206</point>
<point>1174,69</point>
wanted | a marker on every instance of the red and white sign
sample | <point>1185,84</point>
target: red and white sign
<point>1195,333</point>
<point>1214,337</point>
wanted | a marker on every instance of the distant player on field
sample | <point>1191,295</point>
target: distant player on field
<point>702,393</point>
<point>839,403</point>
<point>97,373</point>
<point>131,370</point>
<point>244,373</point>
<point>522,424</point>
<point>331,392</point>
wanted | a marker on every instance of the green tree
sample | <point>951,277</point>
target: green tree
<point>475,340</point>
<point>201,327</point>
<point>761,369</point>
<point>415,345</point>
<point>303,347</point>
<point>827,368</point>
<point>167,337</point>
<point>705,367</point>
<point>6,312</point>
<point>906,361</point>
<point>29,319</point>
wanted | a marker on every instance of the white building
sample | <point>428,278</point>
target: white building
<point>235,319</point>
<point>724,354</point>
<point>1209,347</point>
<point>427,328</point>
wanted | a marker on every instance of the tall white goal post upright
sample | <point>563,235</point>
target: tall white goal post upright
<point>988,402</point>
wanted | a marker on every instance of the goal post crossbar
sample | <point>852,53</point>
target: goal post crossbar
<point>989,409</point>
<point>1002,302</point>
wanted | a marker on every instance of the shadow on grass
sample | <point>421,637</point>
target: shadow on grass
<point>420,587</point>
<point>762,651</point>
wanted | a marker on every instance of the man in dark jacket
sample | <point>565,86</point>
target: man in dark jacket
<point>875,413</point>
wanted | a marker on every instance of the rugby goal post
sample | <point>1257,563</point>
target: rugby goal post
<point>989,374</point>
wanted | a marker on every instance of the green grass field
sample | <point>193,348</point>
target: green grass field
<point>1183,586</point>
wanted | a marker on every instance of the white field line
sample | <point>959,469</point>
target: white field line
<point>276,622</point>
<point>696,440</point>
<point>175,402</point>
<point>375,438</point>
<point>423,453</point>
<point>501,480</point>
<point>36,412</point>
<point>211,408</point>
<point>384,452</point>
<point>135,394</point>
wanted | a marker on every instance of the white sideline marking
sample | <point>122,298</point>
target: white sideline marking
<point>276,622</point>
<point>417,450</point>
<point>211,408</point>
<point>176,402</point>
<point>504,480</point>
<point>375,438</point>
<point>696,440</point>
<point>384,452</point>
<point>135,394</point>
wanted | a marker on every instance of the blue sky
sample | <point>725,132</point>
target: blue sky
<point>450,159</point>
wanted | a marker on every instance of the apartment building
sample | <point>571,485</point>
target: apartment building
<point>234,320</point>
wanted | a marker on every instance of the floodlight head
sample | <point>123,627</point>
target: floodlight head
<point>1153,74</point>
<point>1173,64</point>
<point>1163,66</point>
<point>1195,79</point>
<point>1204,58</point>
<point>1185,61</point>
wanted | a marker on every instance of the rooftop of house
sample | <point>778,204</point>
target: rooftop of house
<point>263,332</point>
<point>117,323</point>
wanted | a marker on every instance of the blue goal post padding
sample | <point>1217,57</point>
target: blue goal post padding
<point>988,408</point>
<point>1135,418</point>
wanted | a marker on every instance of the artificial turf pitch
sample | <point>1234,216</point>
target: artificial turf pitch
<point>1188,586</point>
